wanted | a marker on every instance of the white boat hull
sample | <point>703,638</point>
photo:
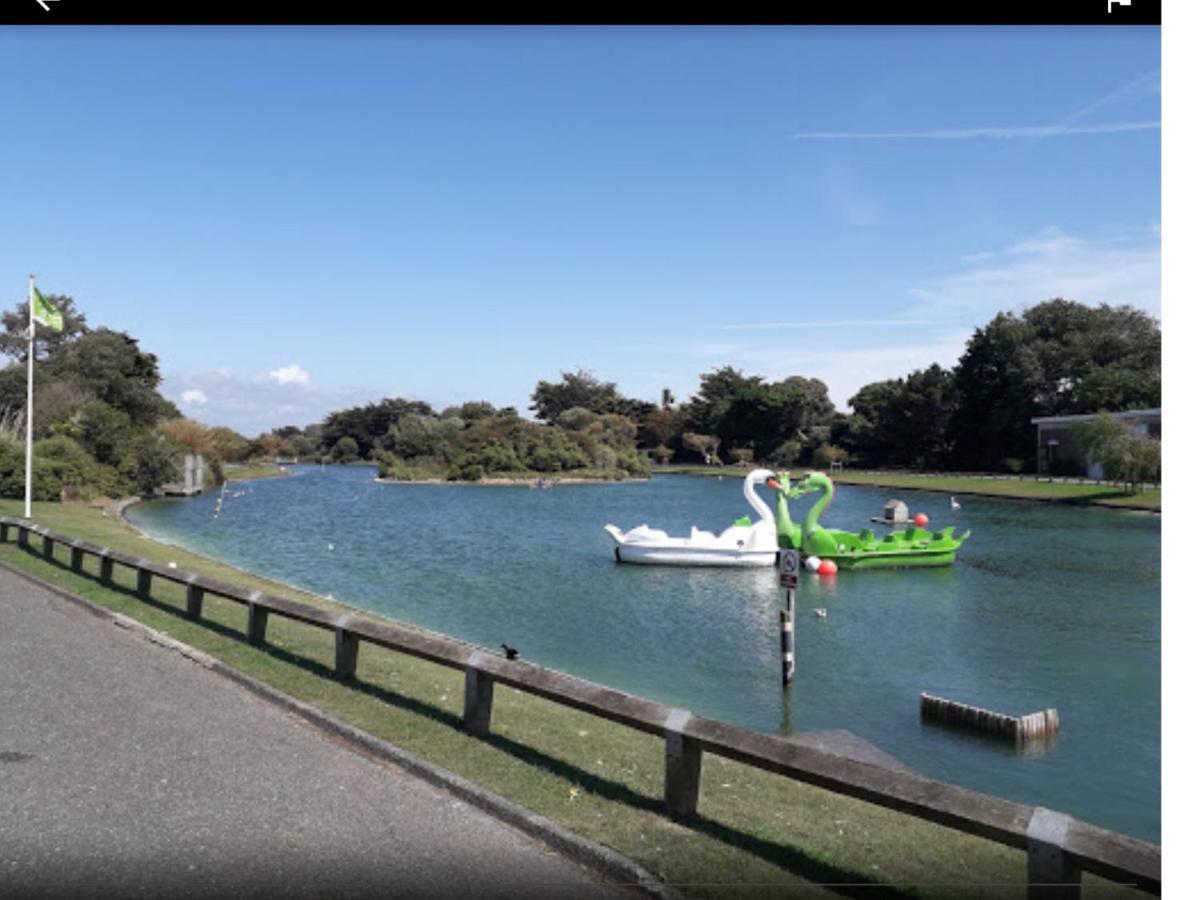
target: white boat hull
<point>740,545</point>
<point>693,556</point>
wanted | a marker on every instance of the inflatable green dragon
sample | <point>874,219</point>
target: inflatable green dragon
<point>862,550</point>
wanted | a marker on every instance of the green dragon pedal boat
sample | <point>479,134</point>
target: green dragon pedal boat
<point>850,550</point>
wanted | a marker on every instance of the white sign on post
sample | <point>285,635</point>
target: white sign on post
<point>789,568</point>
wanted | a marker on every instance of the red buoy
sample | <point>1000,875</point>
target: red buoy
<point>827,567</point>
<point>920,520</point>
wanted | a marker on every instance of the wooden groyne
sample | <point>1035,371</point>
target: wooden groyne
<point>1033,727</point>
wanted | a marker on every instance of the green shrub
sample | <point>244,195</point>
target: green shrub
<point>1013,465</point>
<point>74,469</point>
<point>151,461</point>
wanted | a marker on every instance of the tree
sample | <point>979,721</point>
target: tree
<point>1125,454</point>
<point>1057,358</point>
<point>345,450</point>
<point>366,425</point>
<point>14,343</point>
<point>905,422</point>
<point>704,444</point>
<point>111,367</point>
<point>150,461</point>
<point>576,389</point>
<point>190,435</point>
<point>228,445</point>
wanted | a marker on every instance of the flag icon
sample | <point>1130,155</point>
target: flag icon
<point>45,313</point>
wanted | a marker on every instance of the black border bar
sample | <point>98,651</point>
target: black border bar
<point>392,12</point>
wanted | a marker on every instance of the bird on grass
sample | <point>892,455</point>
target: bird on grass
<point>509,652</point>
<point>954,504</point>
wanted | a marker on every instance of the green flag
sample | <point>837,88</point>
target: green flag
<point>44,313</point>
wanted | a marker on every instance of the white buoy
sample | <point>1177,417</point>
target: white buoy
<point>820,612</point>
<point>331,546</point>
<point>812,563</point>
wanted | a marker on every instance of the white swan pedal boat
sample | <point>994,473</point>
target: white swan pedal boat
<point>741,544</point>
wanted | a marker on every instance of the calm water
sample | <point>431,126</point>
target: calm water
<point>1047,606</point>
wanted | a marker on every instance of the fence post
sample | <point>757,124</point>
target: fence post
<point>143,579</point>
<point>345,656</point>
<point>106,566</point>
<point>3,532</point>
<point>477,697</point>
<point>256,620</point>
<point>1050,873</point>
<point>683,757</point>
<point>47,546</point>
<point>77,559</point>
<point>195,597</point>
<point>22,537</point>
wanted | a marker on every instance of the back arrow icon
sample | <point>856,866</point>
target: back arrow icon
<point>42,4</point>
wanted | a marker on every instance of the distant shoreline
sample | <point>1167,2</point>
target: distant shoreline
<point>510,482</point>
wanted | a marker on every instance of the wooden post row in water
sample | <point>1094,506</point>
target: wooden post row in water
<point>1023,728</point>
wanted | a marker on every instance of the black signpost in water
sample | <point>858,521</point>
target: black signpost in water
<point>789,576</point>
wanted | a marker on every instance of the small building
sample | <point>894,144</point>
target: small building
<point>895,512</point>
<point>194,468</point>
<point>1058,452</point>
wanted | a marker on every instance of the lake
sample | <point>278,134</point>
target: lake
<point>1047,606</point>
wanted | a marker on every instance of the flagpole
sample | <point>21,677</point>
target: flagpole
<point>29,415</point>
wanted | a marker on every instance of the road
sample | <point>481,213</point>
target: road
<point>128,770</point>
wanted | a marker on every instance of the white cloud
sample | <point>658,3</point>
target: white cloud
<point>851,353</point>
<point>194,395</point>
<point>1138,89</point>
<point>988,131</point>
<point>1048,264</point>
<point>252,405</point>
<point>292,374</point>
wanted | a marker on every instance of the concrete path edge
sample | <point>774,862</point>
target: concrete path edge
<point>592,855</point>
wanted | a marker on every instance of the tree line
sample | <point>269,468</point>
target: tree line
<point>101,423</point>
<point>97,411</point>
<point>1056,358</point>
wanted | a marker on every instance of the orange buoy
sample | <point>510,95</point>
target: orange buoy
<point>827,567</point>
<point>920,520</point>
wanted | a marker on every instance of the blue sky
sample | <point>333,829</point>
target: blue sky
<point>296,220</point>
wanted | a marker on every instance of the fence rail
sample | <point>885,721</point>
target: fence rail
<point>1058,847</point>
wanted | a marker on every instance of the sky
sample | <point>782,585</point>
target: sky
<point>296,220</point>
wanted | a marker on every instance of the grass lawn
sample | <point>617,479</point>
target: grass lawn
<point>1062,492</point>
<point>594,777</point>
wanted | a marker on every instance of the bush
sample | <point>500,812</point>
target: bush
<point>743,456</point>
<point>1012,465</point>
<point>827,454</point>
<point>345,450</point>
<point>64,461</point>
<point>150,462</point>
<point>789,453</point>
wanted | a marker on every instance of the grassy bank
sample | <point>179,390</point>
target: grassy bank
<point>246,473</point>
<point>594,777</point>
<point>572,476</point>
<point>1052,491</point>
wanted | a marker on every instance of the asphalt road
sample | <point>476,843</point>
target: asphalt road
<point>128,770</point>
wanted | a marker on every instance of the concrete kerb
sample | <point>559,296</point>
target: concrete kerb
<point>600,859</point>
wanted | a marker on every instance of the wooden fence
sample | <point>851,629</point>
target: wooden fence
<point>1058,847</point>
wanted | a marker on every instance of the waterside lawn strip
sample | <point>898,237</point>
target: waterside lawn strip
<point>594,777</point>
<point>968,485</point>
